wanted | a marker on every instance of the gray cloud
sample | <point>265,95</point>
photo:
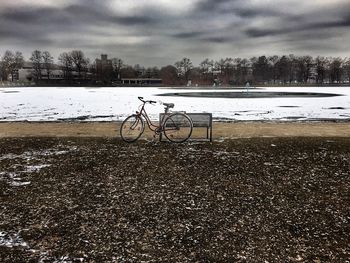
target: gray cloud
<point>133,20</point>
<point>217,39</point>
<point>302,24</point>
<point>186,35</point>
<point>151,33</point>
<point>214,5</point>
<point>73,14</point>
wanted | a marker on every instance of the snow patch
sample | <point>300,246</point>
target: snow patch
<point>111,104</point>
<point>11,240</point>
<point>35,168</point>
<point>28,162</point>
<point>15,183</point>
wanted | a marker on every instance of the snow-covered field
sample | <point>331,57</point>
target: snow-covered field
<point>106,104</point>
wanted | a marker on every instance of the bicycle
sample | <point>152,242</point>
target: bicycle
<point>177,127</point>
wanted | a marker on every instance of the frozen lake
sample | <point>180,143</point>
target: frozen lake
<point>107,104</point>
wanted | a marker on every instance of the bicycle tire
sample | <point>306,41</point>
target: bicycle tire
<point>178,127</point>
<point>132,128</point>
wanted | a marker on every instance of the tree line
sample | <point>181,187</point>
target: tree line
<point>286,69</point>
<point>76,68</point>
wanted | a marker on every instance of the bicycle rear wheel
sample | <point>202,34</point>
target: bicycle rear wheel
<point>178,127</point>
<point>132,128</point>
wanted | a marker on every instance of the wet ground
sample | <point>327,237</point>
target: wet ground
<point>246,200</point>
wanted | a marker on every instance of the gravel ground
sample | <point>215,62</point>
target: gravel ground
<point>246,200</point>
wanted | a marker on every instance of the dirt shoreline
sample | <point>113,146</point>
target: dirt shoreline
<point>221,130</point>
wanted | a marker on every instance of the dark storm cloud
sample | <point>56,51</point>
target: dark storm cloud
<point>254,32</point>
<point>39,25</point>
<point>90,15</point>
<point>217,39</point>
<point>132,20</point>
<point>211,5</point>
<point>207,27</point>
<point>249,12</point>
<point>201,36</point>
<point>345,22</point>
<point>235,7</point>
<point>31,16</point>
<point>26,37</point>
<point>187,35</point>
<point>71,14</point>
<point>303,25</point>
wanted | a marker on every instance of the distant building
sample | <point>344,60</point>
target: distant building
<point>26,73</point>
<point>104,68</point>
<point>141,81</point>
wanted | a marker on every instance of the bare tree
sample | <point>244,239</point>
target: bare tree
<point>37,60</point>
<point>282,69</point>
<point>292,68</point>
<point>304,65</point>
<point>80,62</point>
<point>206,66</point>
<point>228,69</point>
<point>346,68</point>
<point>169,75</point>
<point>117,65</point>
<point>152,72</point>
<point>11,63</point>
<point>321,64</point>
<point>220,66</point>
<point>140,70</point>
<point>19,60</point>
<point>335,70</point>
<point>225,68</point>
<point>178,68</point>
<point>7,62</point>
<point>47,63</point>
<point>3,74</point>
<point>260,69</point>
<point>183,67</point>
<point>286,68</point>
<point>187,66</point>
<point>66,64</point>
<point>273,66</point>
<point>128,72</point>
<point>241,70</point>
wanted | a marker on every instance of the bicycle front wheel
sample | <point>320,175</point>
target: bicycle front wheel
<point>132,128</point>
<point>178,127</point>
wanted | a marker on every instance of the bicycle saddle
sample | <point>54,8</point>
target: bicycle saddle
<point>169,105</point>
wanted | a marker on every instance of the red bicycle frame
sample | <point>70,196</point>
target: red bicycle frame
<point>142,113</point>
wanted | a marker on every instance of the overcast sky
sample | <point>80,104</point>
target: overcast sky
<point>160,32</point>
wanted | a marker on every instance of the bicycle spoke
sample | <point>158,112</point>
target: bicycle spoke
<point>178,127</point>
<point>132,128</point>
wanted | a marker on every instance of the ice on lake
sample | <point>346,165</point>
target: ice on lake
<point>114,104</point>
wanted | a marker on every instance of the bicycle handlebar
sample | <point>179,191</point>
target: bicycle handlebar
<point>147,101</point>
